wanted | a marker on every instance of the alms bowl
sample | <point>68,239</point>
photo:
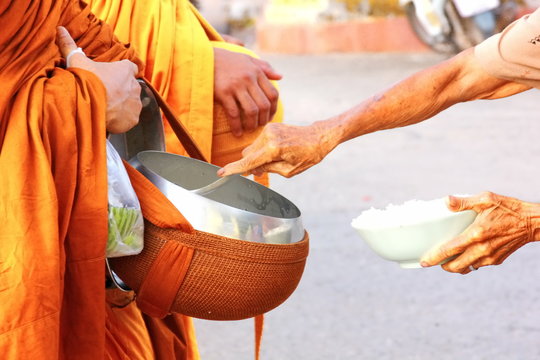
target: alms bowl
<point>235,207</point>
<point>404,233</point>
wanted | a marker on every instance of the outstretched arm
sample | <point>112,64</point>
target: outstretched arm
<point>289,150</point>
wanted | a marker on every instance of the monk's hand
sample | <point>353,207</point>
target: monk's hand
<point>123,91</point>
<point>283,149</point>
<point>242,86</point>
<point>502,226</point>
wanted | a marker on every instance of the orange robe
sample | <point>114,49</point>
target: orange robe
<point>176,44</point>
<point>53,197</point>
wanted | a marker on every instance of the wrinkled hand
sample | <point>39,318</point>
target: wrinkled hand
<point>502,226</point>
<point>123,91</point>
<point>242,86</point>
<point>283,149</point>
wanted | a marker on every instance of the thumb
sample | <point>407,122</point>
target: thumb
<point>455,203</point>
<point>268,70</point>
<point>64,41</point>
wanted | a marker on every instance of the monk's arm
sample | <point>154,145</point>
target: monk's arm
<point>289,150</point>
<point>420,97</point>
<point>94,36</point>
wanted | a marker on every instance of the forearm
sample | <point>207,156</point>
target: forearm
<point>417,98</point>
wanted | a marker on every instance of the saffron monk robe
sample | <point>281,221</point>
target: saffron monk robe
<point>221,91</point>
<point>53,189</point>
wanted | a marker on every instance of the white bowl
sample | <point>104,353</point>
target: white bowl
<point>404,233</point>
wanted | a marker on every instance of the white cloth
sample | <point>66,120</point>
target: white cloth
<point>514,54</point>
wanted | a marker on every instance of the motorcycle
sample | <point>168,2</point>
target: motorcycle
<point>450,26</point>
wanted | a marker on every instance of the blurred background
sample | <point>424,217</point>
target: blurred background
<point>321,26</point>
<point>351,304</point>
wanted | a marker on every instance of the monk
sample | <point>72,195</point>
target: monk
<point>222,92</point>
<point>53,189</point>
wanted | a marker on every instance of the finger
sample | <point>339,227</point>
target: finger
<point>258,171</point>
<point>477,203</point>
<point>501,254</point>
<point>451,266</point>
<point>246,164</point>
<point>253,157</point>
<point>233,114</point>
<point>136,95</point>
<point>65,42</point>
<point>495,259</point>
<point>271,94</point>
<point>490,249</point>
<point>267,69</point>
<point>248,109</point>
<point>470,256</point>
<point>456,203</point>
<point>448,249</point>
<point>263,105</point>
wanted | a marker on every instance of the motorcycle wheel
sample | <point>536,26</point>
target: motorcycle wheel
<point>465,31</point>
<point>442,44</point>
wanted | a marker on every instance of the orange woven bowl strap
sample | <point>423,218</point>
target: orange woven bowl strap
<point>161,284</point>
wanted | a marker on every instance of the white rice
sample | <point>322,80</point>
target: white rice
<point>408,213</point>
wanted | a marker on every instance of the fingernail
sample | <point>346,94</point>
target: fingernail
<point>424,264</point>
<point>220,172</point>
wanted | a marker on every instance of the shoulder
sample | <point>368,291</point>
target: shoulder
<point>514,53</point>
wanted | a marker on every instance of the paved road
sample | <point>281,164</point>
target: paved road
<point>350,303</point>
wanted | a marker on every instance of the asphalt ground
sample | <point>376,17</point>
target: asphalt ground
<point>351,304</point>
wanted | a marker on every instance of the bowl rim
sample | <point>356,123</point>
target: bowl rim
<point>450,214</point>
<point>137,164</point>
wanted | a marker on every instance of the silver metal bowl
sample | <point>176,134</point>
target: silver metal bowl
<point>236,207</point>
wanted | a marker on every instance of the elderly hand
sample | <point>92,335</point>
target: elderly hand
<point>242,86</point>
<point>283,149</point>
<point>502,226</point>
<point>123,91</point>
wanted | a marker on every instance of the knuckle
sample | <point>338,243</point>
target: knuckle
<point>222,89</point>
<point>477,233</point>
<point>483,248</point>
<point>272,148</point>
<point>273,95</point>
<point>246,77</point>
<point>265,106</point>
<point>488,197</point>
<point>233,112</point>
<point>252,111</point>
